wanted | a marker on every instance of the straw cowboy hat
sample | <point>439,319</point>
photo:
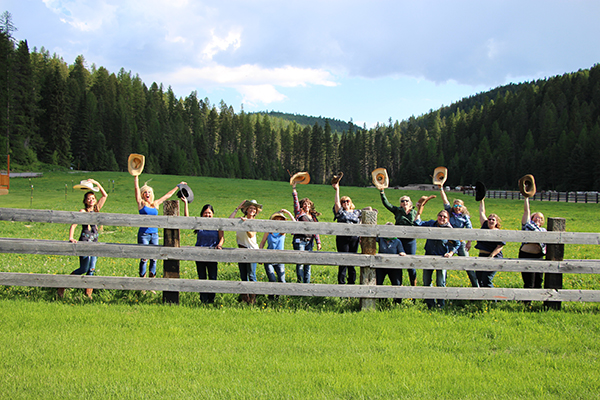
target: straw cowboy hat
<point>440,174</point>
<point>85,185</point>
<point>249,203</point>
<point>480,191</point>
<point>336,178</point>
<point>422,201</point>
<point>278,214</point>
<point>300,177</point>
<point>135,164</point>
<point>185,191</point>
<point>380,178</point>
<point>527,185</point>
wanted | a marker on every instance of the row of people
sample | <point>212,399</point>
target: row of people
<point>452,216</point>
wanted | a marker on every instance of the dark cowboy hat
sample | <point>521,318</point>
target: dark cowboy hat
<point>527,185</point>
<point>185,191</point>
<point>336,178</point>
<point>479,191</point>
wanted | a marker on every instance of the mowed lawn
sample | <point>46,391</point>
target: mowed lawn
<point>129,345</point>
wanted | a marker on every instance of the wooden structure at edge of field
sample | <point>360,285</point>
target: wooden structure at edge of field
<point>555,266</point>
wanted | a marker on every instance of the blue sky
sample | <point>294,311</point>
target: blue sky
<point>366,60</point>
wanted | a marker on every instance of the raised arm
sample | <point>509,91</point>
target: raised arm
<point>138,194</point>
<point>186,207</point>
<point>526,212</point>
<point>283,210</point>
<point>443,194</point>
<point>337,204</point>
<point>102,199</point>
<point>167,196</point>
<point>234,213</point>
<point>482,216</point>
<point>296,202</point>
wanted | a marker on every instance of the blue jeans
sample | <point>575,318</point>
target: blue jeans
<point>87,265</point>
<point>410,247</point>
<point>485,278</point>
<point>462,251</point>
<point>440,281</point>
<point>148,239</point>
<point>247,271</point>
<point>303,270</point>
<point>272,269</point>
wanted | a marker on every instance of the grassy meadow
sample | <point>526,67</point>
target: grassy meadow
<point>127,344</point>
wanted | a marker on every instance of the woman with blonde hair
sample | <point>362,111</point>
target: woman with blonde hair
<point>344,212</point>
<point>147,205</point>
<point>532,222</point>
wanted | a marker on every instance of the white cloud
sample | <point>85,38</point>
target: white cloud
<point>82,15</point>
<point>259,94</point>
<point>217,44</point>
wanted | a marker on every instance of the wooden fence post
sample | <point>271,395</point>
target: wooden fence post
<point>368,245</point>
<point>171,267</point>
<point>554,252</point>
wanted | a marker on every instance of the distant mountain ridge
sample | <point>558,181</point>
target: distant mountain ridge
<point>305,120</point>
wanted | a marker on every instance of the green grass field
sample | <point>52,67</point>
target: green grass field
<point>128,345</point>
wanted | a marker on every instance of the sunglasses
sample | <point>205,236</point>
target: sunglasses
<point>491,219</point>
<point>404,201</point>
<point>345,201</point>
<point>457,206</point>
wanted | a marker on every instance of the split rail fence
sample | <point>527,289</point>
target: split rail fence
<point>367,290</point>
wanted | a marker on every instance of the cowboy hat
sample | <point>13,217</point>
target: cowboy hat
<point>249,203</point>
<point>85,185</point>
<point>440,174</point>
<point>479,191</point>
<point>300,177</point>
<point>380,178</point>
<point>527,185</point>
<point>135,164</point>
<point>185,191</point>
<point>422,201</point>
<point>278,214</point>
<point>336,178</point>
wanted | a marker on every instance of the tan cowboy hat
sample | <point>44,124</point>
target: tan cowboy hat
<point>422,201</point>
<point>527,185</point>
<point>249,203</point>
<point>278,214</point>
<point>380,178</point>
<point>135,164</point>
<point>85,185</point>
<point>337,177</point>
<point>440,174</point>
<point>300,177</point>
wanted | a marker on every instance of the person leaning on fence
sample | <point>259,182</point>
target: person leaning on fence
<point>89,233</point>
<point>390,246</point>
<point>275,241</point>
<point>344,212</point>
<point>492,249</point>
<point>247,240</point>
<point>460,218</point>
<point>304,211</point>
<point>206,238</point>
<point>438,247</point>
<point>405,215</point>
<point>147,205</point>
<point>534,222</point>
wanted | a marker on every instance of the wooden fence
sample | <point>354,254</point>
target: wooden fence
<point>50,247</point>
<point>568,197</point>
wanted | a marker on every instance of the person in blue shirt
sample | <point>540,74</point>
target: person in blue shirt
<point>276,241</point>
<point>390,246</point>
<point>460,218</point>
<point>147,205</point>
<point>438,247</point>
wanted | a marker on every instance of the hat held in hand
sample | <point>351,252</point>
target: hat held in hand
<point>336,178</point>
<point>185,192</point>
<point>380,178</point>
<point>527,186</point>
<point>422,201</point>
<point>440,174</point>
<point>135,164</point>
<point>480,191</point>
<point>300,177</point>
<point>86,185</point>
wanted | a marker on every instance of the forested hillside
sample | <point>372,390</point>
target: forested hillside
<point>90,118</point>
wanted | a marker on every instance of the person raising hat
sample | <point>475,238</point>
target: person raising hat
<point>147,205</point>
<point>275,241</point>
<point>344,212</point>
<point>247,240</point>
<point>488,248</point>
<point>89,233</point>
<point>304,211</point>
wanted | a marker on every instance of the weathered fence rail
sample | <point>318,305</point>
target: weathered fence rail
<point>28,246</point>
<point>568,197</point>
